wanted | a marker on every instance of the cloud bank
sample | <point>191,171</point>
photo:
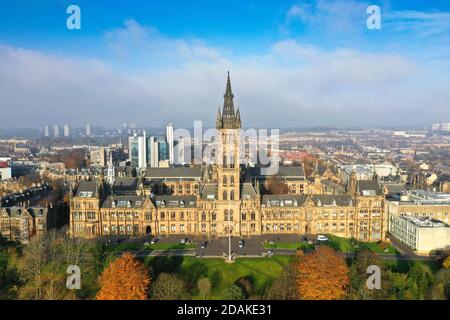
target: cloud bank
<point>148,78</point>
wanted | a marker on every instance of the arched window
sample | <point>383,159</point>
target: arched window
<point>225,213</point>
<point>232,195</point>
<point>231,215</point>
<point>224,195</point>
<point>232,180</point>
<point>224,180</point>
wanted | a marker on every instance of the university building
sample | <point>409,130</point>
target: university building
<point>225,198</point>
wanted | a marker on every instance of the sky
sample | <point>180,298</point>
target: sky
<point>293,64</point>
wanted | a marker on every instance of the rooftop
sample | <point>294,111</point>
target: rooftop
<point>425,222</point>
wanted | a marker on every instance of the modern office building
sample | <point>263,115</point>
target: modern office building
<point>169,138</point>
<point>66,131</point>
<point>88,129</point>
<point>422,235</point>
<point>163,149</point>
<point>421,203</point>
<point>56,131</point>
<point>46,131</point>
<point>139,150</point>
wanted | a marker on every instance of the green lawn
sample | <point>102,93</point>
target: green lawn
<point>352,245</point>
<point>260,271</point>
<point>288,245</point>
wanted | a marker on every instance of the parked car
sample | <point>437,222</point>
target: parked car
<point>154,240</point>
<point>203,246</point>
<point>241,243</point>
<point>321,237</point>
<point>183,241</point>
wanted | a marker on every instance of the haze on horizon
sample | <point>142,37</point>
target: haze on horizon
<point>292,64</point>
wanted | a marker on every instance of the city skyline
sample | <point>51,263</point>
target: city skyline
<point>315,62</point>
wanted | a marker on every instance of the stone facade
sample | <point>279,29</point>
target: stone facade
<point>216,200</point>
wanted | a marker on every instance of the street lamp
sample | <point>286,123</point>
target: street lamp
<point>229,230</point>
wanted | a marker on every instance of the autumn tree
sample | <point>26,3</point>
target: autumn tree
<point>276,186</point>
<point>322,275</point>
<point>125,278</point>
<point>446,263</point>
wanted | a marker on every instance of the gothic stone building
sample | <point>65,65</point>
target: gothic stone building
<point>216,200</point>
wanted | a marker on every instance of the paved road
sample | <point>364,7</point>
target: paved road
<point>253,248</point>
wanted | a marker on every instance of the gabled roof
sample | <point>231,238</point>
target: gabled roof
<point>368,188</point>
<point>125,184</point>
<point>16,212</point>
<point>38,211</point>
<point>87,189</point>
<point>248,191</point>
<point>209,191</point>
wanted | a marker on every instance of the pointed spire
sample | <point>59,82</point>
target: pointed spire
<point>219,119</point>
<point>228,114</point>
<point>228,88</point>
<point>238,117</point>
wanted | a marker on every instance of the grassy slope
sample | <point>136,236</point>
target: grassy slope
<point>260,271</point>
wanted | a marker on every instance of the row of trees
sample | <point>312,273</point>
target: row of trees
<point>325,275</point>
<point>39,271</point>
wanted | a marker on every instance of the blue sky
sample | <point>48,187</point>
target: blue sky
<point>313,61</point>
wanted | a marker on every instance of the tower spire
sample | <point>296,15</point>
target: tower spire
<point>229,117</point>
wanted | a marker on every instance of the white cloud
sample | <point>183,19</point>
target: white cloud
<point>291,84</point>
<point>422,24</point>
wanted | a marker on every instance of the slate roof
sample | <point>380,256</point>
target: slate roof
<point>282,200</point>
<point>248,191</point>
<point>87,189</point>
<point>209,191</point>
<point>394,188</point>
<point>285,200</point>
<point>165,201</point>
<point>368,188</point>
<point>16,211</point>
<point>126,184</point>
<point>332,200</point>
<point>123,202</point>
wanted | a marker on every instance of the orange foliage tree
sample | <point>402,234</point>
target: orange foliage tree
<point>125,278</point>
<point>322,275</point>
